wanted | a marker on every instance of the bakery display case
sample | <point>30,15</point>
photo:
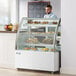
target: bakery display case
<point>37,34</point>
<point>36,44</point>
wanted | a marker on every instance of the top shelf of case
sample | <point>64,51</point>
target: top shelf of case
<point>39,22</point>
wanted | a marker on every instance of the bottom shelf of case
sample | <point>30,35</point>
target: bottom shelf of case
<point>46,61</point>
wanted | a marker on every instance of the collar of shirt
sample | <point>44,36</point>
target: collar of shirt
<point>50,14</point>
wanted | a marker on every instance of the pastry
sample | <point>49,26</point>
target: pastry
<point>30,22</point>
<point>32,40</point>
<point>47,41</point>
<point>36,22</point>
<point>53,49</point>
<point>54,22</point>
<point>34,48</point>
<point>27,48</point>
<point>45,22</point>
<point>45,49</point>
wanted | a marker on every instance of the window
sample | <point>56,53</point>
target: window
<point>4,13</point>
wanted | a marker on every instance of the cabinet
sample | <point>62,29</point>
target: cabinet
<point>36,44</point>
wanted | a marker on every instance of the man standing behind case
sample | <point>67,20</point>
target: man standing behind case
<point>49,13</point>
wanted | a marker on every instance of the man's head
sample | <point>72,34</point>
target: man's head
<point>48,9</point>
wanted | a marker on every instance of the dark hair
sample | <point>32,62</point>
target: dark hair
<point>49,6</point>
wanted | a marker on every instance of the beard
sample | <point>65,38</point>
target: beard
<point>48,13</point>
